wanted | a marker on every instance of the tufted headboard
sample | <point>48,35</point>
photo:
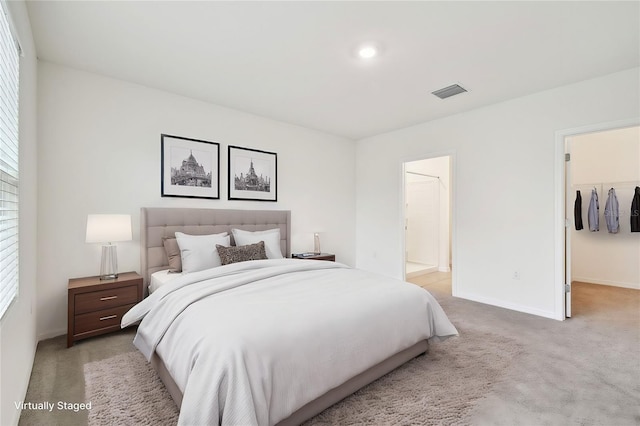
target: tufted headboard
<point>156,223</point>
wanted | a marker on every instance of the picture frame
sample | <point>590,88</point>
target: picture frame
<point>253,174</point>
<point>190,168</point>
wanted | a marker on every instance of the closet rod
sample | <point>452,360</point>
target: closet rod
<point>609,184</point>
<point>423,174</point>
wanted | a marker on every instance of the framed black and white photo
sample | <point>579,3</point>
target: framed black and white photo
<point>190,168</point>
<point>253,174</point>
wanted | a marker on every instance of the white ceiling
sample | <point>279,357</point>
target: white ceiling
<point>294,62</point>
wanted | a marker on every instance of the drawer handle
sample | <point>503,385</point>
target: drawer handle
<point>107,318</point>
<point>108,298</point>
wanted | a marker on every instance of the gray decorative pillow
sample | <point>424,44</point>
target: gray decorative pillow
<point>173,254</point>
<point>241,253</point>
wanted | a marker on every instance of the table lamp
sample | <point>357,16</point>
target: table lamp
<point>107,229</point>
<point>316,243</point>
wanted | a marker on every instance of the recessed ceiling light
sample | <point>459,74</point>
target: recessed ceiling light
<point>367,52</point>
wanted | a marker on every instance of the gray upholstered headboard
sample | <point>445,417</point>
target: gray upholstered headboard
<point>156,223</point>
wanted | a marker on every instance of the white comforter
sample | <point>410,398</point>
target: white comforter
<point>252,342</point>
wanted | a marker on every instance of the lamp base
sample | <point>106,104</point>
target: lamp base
<point>108,277</point>
<point>109,263</point>
<point>316,243</point>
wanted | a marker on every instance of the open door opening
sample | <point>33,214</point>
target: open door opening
<point>601,173</point>
<point>427,220</point>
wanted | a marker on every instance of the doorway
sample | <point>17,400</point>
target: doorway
<point>427,216</point>
<point>598,162</point>
<point>602,167</point>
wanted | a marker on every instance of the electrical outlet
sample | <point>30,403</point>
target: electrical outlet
<point>516,275</point>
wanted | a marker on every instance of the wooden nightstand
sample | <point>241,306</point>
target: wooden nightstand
<point>97,306</point>
<point>322,256</point>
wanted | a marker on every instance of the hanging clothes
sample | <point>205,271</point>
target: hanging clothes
<point>577,212</point>
<point>593,215</point>
<point>611,212</point>
<point>635,211</point>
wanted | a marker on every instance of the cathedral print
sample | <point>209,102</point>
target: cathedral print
<point>252,174</point>
<point>190,168</point>
<point>190,172</point>
<point>251,181</point>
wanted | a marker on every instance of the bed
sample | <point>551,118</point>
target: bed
<point>272,341</point>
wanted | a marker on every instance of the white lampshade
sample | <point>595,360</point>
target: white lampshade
<point>108,228</point>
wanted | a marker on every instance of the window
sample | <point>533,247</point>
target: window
<point>9,64</point>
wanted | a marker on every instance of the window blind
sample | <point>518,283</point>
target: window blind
<point>9,83</point>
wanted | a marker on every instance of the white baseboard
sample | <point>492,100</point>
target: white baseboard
<point>635,286</point>
<point>507,305</point>
<point>444,269</point>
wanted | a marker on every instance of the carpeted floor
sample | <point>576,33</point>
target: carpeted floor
<point>438,388</point>
<point>582,371</point>
<point>125,390</point>
<point>526,370</point>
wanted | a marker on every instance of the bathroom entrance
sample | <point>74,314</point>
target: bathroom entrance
<point>427,216</point>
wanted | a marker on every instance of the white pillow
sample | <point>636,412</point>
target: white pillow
<point>198,252</point>
<point>271,238</point>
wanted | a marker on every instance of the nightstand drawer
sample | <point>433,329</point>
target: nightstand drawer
<point>96,307</point>
<point>101,319</point>
<point>104,299</point>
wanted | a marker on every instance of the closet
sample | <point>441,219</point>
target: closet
<point>599,162</point>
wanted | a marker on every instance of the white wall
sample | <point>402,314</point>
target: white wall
<point>504,188</point>
<point>18,326</point>
<point>605,160</point>
<point>99,141</point>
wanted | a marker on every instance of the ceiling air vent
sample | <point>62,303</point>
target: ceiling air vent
<point>449,91</point>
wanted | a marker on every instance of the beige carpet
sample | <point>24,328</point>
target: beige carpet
<point>581,372</point>
<point>125,390</point>
<point>439,388</point>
